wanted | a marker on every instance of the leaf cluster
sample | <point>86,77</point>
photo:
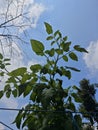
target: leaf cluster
<point>44,85</point>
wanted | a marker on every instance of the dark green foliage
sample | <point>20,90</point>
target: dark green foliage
<point>51,102</point>
<point>89,104</point>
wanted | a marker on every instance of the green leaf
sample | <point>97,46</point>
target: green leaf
<point>72,68</point>
<point>48,28</point>
<point>27,90</point>
<point>76,97</point>
<point>59,72</point>
<point>6,59</point>
<point>59,51</point>
<point>2,73</point>
<point>14,92</point>
<point>21,88</point>
<point>7,64</point>
<point>75,88</point>
<point>35,68</point>
<point>33,96</point>
<point>53,42</point>
<point>65,38</point>
<point>18,119</point>
<point>66,46</point>
<point>7,87</point>
<point>78,48</point>
<point>8,93</point>
<point>1,56</point>
<point>67,74</point>
<point>65,58</point>
<point>43,79</point>
<point>49,38</point>
<point>2,66</point>
<point>1,94</point>
<point>73,56</point>
<point>50,52</point>
<point>44,70</point>
<point>18,72</point>
<point>37,47</point>
<point>58,33</point>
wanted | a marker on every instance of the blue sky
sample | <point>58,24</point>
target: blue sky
<point>78,19</point>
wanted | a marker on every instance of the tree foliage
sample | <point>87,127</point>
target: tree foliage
<point>89,104</point>
<point>52,102</point>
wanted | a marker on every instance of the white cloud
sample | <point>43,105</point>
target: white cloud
<point>2,127</point>
<point>12,8</point>
<point>91,59</point>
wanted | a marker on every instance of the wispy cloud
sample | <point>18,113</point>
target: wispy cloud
<point>91,59</point>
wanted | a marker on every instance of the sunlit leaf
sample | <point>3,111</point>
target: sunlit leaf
<point>78,48</point>
<point>35,68</point>
<point>48,28</point>
<point>49,38</point>
<point>50,52</point>
<point>65,38</point>
<point>37,47</point>
<point>66,46</point>
<point>73,56</point>
<point>65,58</point>
<point>58,33</point>
<point>18,72</point>
<point>59,51</point>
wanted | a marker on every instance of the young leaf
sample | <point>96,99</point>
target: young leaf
<point>35,68</point>
<point>59,51</point>
<point>72,68</point>
<point>73,56</point>
<point>65,58</point>
<point>67,73</point>
<point>66,46</point>
<point>58,33</point>
<point>37,47</point>
<point>48,28</point>
<point>65,38</point>
<point>49,38</point>
<point>78,48</point>
<point>18,72</point>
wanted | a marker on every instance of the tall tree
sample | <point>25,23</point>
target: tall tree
<point>89,104</point>
<point>52,102</point>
